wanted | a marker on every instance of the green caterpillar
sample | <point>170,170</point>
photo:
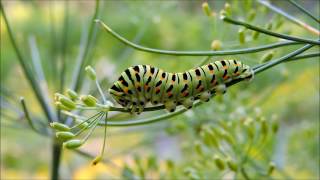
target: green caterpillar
<point>141,84</point>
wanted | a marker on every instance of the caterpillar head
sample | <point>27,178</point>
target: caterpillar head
<point>117,96</point>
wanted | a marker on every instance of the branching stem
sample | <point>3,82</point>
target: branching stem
<point>30,121</point>
<point>271,33</point>
<point>304,10</point>
<point>284,58</point>
<point>288,16</point>
<point>192,53</point>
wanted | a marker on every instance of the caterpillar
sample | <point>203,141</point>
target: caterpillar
<point>141,84</point>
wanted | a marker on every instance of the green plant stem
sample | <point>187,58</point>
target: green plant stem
<point>244,173</point>
<point>34,84</point>
<point>295,58</point>
<point>192,53</point>
<point>311,55</point>
<point>91,36</point>
<point>56,157</point>
<point>288,16</point>
<point>147,120</point>
<point>64,47</point>
<point>39,73</point>
<point>53,48</point>
<point>304,10</point>
<point>264,31</point>
<point>204,61</point>
<point>36,61</point>
<point>282,59</point>
<point>30,121</point>
<point>94,124</point>
<point>101,92</point>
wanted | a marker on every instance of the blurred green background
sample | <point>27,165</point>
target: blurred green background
<point>288,92</point>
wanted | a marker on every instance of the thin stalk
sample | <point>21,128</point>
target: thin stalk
<point>56,157</point>
<point>311,55</point>
<point>36,61</point>
<point>245,174</point>
<point>29,120</point>
<point>64,47</point>
<point>128,51</point>
<point>192,53</point>
<point>100,156</point>
<point>204,61</point>
<point>104,135</point>
<point>83,119</point>
<point>264,31</point>
<point>53,43</point>
<point>288,16</point>
<point>94,124</point>
<point>282,59</point>
<point>95,119</point>
<point>30,77</point>
<point>101,92</point>
<point>147,120</point>
<point>6,104</point>
<point>82,47</point>
<point>304,10</point>
<point>295,58</point>
<point>78,76</point>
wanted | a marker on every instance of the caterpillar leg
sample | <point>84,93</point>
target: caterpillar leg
<point>133,109</point>
<point>133,105</point>
<point>140,107</point>
<point>221,89</point>
<point>188,102</point>
<point>170,105</point>
<point>205,96</point>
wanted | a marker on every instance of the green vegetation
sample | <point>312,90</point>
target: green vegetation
<point>59,58</point>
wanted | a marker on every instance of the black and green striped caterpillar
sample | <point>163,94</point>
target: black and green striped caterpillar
<point>141,84</point>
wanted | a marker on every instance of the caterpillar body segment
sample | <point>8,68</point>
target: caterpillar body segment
<point>141,84</point>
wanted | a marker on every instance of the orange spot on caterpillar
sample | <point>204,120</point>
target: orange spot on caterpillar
<point>157,90</point>
<point>186,93</point>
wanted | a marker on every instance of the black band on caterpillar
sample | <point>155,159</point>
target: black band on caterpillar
<point>141,84</point>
